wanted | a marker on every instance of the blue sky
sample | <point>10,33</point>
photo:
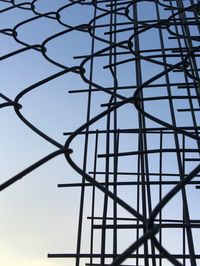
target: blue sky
<point>37,217</point>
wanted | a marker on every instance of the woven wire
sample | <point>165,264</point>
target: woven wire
<point>142,76</point>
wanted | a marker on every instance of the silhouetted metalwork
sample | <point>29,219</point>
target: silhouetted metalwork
<point>144,154</point>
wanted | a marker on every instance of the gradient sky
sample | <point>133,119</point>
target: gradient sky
<point>37,217</point>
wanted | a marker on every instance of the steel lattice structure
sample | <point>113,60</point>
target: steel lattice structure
<point>140,139</point>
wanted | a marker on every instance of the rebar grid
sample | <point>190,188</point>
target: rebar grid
<point>140,160</point>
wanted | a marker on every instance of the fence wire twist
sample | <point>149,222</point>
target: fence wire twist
<point>152,67</point>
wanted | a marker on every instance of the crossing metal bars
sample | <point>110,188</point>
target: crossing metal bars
<point>140,161</point>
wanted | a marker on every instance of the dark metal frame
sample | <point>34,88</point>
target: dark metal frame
<point>177,79</point>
